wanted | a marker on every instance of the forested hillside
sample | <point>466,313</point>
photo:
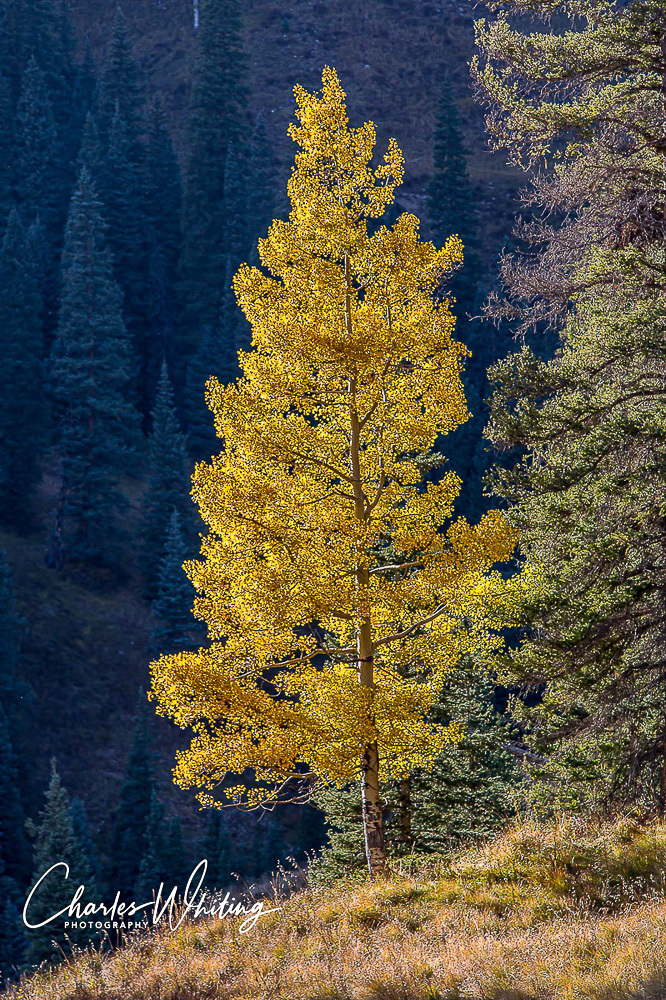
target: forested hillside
<point>244,373</point>
<point>142,157</point>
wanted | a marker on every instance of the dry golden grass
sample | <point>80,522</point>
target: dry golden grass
<point>575,910</point>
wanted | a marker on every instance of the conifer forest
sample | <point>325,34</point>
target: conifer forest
<point>333,498</point>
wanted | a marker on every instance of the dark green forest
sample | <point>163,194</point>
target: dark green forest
<point>143,152</point>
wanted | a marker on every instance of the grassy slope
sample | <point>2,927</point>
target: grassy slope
<point>569,911</point>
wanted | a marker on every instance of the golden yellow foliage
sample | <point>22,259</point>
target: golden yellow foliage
<point>322,644</point>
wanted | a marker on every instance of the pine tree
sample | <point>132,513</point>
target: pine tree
<point>37,148</point>
<point>120,91</point>
<point>589,422</point>
<point>83,104</point>
<point>92,374</point>
<point>120,185</point>
<point>23,411</point>
<point>14,45</point>
<point>472,790</point>
<point>271,846</point>
<point>177,870</point>
<point>151,851</point>
<point>40,29</point>
<point>55,842</point>
<point>467,795</point>
<point>214,357</point>
<point>90,154</point>
<point>233,327</point>
<point>15,846</point>
<point>136,798</point>
<point>261,204</point>
<point>450,201</point>
<point>7,148</point>
<point>311,830</point>
<point>217,111</point>
<point>344,851</point>
<point>451,210</point>
<point>163,203</point>
<point>13,941</point>
<point>217,849</point>
<point>168,483</point>
<point>175,626</point>
<point>82,832</point>
<point>12,631</point>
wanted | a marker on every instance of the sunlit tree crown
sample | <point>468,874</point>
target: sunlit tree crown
<point>326,548</point>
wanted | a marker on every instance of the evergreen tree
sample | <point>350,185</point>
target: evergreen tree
<point>233,327</point>
<point>451,210</point>
<point>92,373</point>
<point>13,941</point>
<point>120,186</point>
<point>151,866</point>
<point>37,148</point>
<point>23,411</point>
<point>343,852</point>
<point>7,148</point>
<point>15,846</point>
<point>120,92</point>
<point>136,799</point>
<point>14,45</point>
<point>450,200</point>
<point>215,356</point>
<point>217,849</point>
<point>163,198</point>
<point>168,485</point>
<point>83,104</point>
<point>55,842</point>
<point>261,204</point>
<point>12,631</point>
<point>467,795</point>
<point>66,43</point>
<point>40,29</point>
<point>311,830</point>
<point>175,627</point>
<point>586,490</point>
<point>90,153</point>
<point>177,870</point>
<point>216,122</point>
<point>83,834</point>
<point>472,788</point>
<point>270,843</point>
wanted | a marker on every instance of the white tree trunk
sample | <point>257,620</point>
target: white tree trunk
<point>196,13</point>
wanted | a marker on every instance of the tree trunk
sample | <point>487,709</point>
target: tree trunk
<point>662,784</point>
<point>373,825</point>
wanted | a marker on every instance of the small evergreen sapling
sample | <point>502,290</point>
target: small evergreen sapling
<point>175,627</point>
<point>136,797</point>
<point>55,841</point>
<point>168,484</point>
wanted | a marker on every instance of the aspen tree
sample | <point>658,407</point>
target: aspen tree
<point>352,375</point>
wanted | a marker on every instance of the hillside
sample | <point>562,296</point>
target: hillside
<point>391,56</point>
<point>568,911</point>
<point>85,654</point>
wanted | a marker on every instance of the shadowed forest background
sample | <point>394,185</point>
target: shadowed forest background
<point>140,160</point>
